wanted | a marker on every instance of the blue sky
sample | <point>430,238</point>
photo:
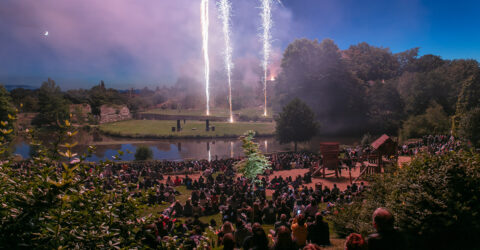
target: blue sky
<point>152,42</point>
<point>445,28</point>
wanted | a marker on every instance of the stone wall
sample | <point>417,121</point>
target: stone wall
<point>114,113</point>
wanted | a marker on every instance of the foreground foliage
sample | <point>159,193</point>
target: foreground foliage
<point>435,199</point>
<point>48,205</point>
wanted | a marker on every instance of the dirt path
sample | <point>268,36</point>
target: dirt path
<point>341,182</point>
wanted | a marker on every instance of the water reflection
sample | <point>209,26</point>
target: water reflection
<point>179,149</point>
<point>165,149</point>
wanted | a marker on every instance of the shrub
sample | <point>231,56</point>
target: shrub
<point>434,199</point>
<point>143,153</point>
<point>54,205</point>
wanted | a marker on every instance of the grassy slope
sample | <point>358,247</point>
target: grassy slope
<point>159,129</point>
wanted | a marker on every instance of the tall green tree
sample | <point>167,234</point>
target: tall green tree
<point>254,163</point>
<point>371,63</point>
<point>469,97</point>
<point>470,126</point>
<point>385,108</point>
<point>296,123</point>
<point>52,106</point>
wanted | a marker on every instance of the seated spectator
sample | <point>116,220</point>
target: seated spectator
<point>228,242</point>
<point>283,239</point>
<point>258,240</point>
<point>299,231</point>
<point>178,209</point>
<point>269,213</point>
<point>355,242</point>
<point>241,233</point>
<point>283,222</point>
<point>312,209</point>
<point>318,232</point>
<point>387,237</point>
<point>227,228</point>
<point>188,209</point>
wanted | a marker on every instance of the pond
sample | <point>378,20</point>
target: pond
<point>175,149</point>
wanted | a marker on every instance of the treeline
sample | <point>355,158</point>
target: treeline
<point>370,89</point>
<point>52,104</point>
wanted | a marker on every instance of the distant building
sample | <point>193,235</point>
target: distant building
<point>80,112</point>
<point>114,113</point>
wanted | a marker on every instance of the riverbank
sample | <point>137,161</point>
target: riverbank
<point>156,129</point>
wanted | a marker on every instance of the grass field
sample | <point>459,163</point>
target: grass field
<point>192,129</point>
<point>249,112</point>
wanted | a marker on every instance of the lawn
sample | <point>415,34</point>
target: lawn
<point>191,129</point>
<point>248,112</point>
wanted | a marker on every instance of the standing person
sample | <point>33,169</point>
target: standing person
<point>318,232</point>
<point>386,237</point>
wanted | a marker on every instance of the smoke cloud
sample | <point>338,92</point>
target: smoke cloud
<point>125,42</point>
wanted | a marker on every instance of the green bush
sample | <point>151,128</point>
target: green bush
<point>143,153</point>
<point>435,199</point>
<point>55,205</point>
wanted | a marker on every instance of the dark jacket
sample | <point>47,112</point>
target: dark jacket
<point>387,240</point>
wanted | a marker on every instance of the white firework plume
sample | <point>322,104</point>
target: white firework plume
<point>225,8</point>
<point>266,38</point>
<point>205,24</point>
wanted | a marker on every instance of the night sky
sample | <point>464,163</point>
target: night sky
<point>152,42</point>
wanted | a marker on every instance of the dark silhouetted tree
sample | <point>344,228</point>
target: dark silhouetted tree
<point>52,106</point>
<point>296,123</point>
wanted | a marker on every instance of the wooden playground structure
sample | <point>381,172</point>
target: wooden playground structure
<point>372,161</point>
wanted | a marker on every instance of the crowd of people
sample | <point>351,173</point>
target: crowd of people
<point>294,210</point>
<point>290,218</point>
<point>432,144</point>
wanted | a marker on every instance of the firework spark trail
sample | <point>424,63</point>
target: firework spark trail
<point>225,8</point>
<point>266,16</point>
<point>205,24</point>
